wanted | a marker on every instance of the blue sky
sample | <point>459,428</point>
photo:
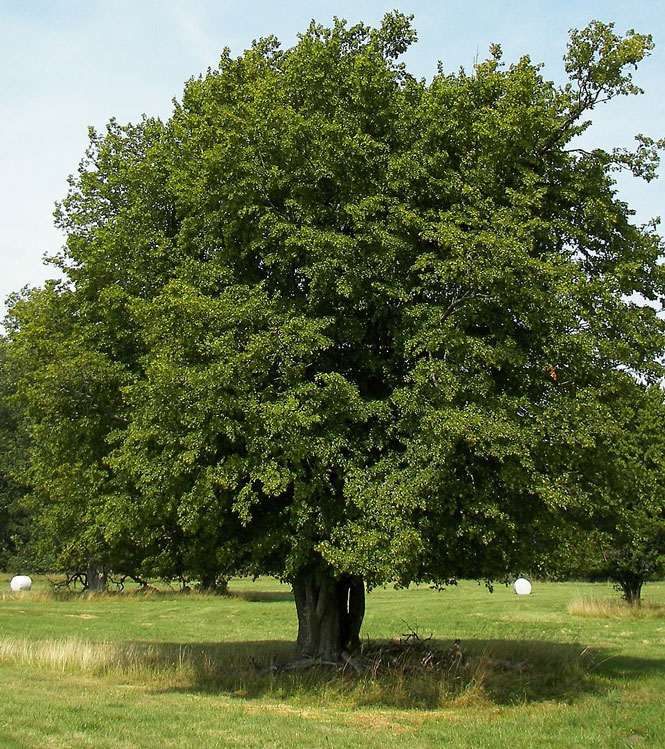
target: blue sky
<point>67,64</point>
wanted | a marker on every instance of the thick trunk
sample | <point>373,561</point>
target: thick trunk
<point>214,584</point>
<point>351,602</point>
<point>96,578</point>
<point>330,614</point>
<point>632,590</point>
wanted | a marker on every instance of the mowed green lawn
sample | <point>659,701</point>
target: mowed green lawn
<point>176,670</point>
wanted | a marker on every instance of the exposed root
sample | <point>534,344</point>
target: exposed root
<point>350,661</point>
<point>306,662</point>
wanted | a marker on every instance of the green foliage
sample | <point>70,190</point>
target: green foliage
<point>599,62</point>
<point>331,317</point>
<point>17,532</point>
<point>621,476</point>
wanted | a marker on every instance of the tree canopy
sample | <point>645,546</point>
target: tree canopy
<point>617,523</point>
<point>329,321</point>
<point>14,530</point>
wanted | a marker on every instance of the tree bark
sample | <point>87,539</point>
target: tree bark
<point>214,584</point>
<point>96,578</point>
<point>330,614</point>
<point>631,586</point>
<point>351,603</point>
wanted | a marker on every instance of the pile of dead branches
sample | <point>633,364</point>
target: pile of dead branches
<point>411,654</point>
<point>408,655</point>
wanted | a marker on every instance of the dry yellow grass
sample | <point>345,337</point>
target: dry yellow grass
<point>614,608</point>
<point>57,654</point>
<point>71,654</point>
<point>49,595</point>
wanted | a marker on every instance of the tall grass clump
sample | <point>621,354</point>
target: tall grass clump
<point>614,608</point>
<point>48,595</point>
<point>99,658</point>
<point>61,655</point>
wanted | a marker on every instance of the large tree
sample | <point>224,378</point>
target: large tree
<point>324,322</point>
<point>14,523</point>
<point>616,526</point>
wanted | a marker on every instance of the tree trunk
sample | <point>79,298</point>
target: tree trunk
<point>351,602</point>
<point>631,586</point>
<point>96,579</point>
<point>330,614</point>
<point>214,584</point>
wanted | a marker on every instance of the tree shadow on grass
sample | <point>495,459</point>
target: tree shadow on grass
<point>553,671</point>
<point>501,672</point>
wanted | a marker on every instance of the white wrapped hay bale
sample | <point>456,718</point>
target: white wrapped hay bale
<point>20,582</point>
<point>522,586</point>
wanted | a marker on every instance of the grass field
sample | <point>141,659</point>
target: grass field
<point>172,670</point>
